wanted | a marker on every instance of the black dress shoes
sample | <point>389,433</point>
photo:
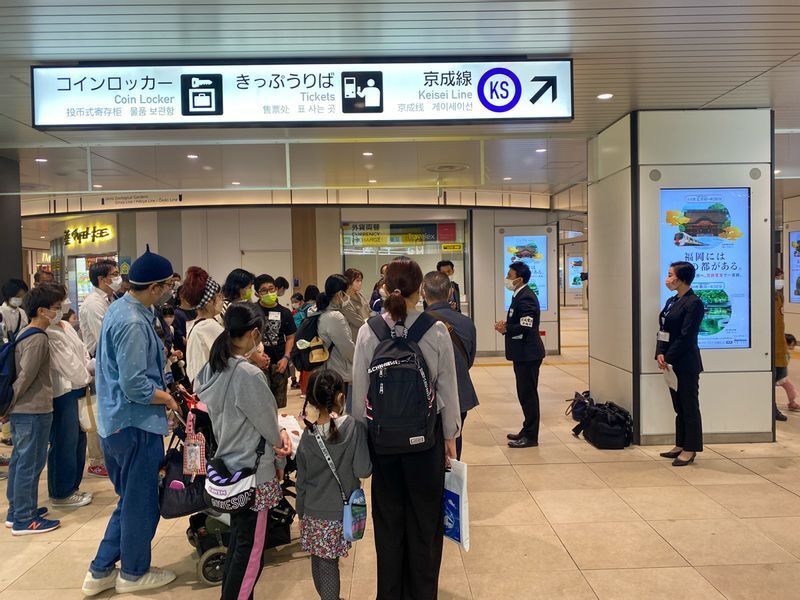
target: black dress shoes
<point>682,463</point>
<point>514,436</point>
<point>675,454</point>
<point>523,442</point>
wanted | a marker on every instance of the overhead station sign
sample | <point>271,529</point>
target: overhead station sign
<point>320,94</point>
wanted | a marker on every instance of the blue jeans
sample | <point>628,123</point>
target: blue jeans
<point>30,434</point>
<point>133,459</point>
<point>67,455</point>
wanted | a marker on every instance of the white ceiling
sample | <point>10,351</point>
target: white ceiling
<point>651,54</point>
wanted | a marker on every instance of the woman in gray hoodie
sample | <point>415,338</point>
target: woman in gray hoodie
<point>243,411</point>
<point>319,498</point>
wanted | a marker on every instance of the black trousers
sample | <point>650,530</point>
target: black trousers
<point>460,438</point>
<point>407,496</point>
<point>243,562</point>
<point>527,374</point>
<point>688,422</point>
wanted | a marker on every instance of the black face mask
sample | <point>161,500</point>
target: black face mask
<point>191,314</point>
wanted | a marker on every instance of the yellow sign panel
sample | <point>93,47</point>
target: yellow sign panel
<point>86,236</point>
<point>452,247</point>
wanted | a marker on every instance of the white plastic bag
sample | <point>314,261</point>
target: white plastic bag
<point>87,411</point>
<point>456,504</point>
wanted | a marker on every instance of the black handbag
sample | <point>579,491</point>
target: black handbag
<point>606,426</point>
<point>279,524</point>
<point>579,405</point>
<point>176,503</point>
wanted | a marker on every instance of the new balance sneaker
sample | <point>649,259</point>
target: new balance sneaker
<point>40,512</point>
<point>76,500</point>
<point>153,579</point>
<point>92,586</point>
<point>6,460</point>
<point>36,526</point>
<point>97,471</point>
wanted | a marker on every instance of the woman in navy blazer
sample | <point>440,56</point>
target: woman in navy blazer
<point>677,347</point>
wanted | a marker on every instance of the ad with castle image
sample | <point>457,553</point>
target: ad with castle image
<point>710,228</point>
<point>531,250</point>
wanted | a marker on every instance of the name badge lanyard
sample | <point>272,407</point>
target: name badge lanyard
<point>665,313</point>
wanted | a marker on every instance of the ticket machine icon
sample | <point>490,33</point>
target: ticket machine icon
<point>202,94</point>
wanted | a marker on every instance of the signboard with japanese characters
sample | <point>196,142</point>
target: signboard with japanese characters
<point>87,238</point>
<point>710,228</point>
<point>186,95</point>
<point>397,234</point>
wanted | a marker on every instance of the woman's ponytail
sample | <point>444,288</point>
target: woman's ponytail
<point>221,352</point>
<point>403,280</point>
<point>395,305</point>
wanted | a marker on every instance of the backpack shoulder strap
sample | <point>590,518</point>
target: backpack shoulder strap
<point>457,341</point>
<point>420,327</point>
<point>29,333</point>
<point>380,328</point>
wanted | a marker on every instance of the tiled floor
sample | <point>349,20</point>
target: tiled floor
<point>560,521</point>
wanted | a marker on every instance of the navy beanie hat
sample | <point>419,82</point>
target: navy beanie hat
<point>150,268</point>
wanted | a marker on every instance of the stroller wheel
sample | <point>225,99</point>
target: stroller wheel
<point>211,565</point>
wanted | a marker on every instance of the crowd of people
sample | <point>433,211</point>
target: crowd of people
<point>390,401</point>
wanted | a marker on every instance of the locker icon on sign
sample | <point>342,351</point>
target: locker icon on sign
<point>201,95</point>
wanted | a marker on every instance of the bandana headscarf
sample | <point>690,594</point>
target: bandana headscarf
<point>212,289</point>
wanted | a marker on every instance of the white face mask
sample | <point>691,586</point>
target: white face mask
<point>15,302</point>
<point>116,283</point>
<point>510,286</point>
<point>257,346</point>
<point>55,320</point>
<point>779,284</point>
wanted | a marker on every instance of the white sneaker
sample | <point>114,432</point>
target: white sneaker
<point>76,500</point>
<point>92,586</point>
<point>153,579</point>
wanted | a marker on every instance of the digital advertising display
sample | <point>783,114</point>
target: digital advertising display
<point>574,270</point>
<point>531,250</point>
<point>794,267</point>
<point>710,228</point>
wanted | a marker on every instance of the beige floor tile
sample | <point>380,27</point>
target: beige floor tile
<point>762,500</point>
<point>589,454</point>
<point>676,502</point>
<point>654,451</point>
<point>558,477</point>
<point>653,584</point>
<point>72,519</point>
<point>482,478</point>
<point>755,582</point>
<point>717,472</point>
<point>617,546</point>
<point>637,474</point>
<point>19,558</point>
<point>735,451</point>
<point>555,453</point>
<point>503,508</point>
<point>721,542</point>
<point>366,558</point>
<point>784,531</point>
<point>473,454</point>
<point>63,568</point>
<point>783,471</point>
<point>556,585</point>
<point>584,506</point>
<point>175,591</point>
<point>56,594</point>
<point>450,588</point>
<point>515,549</point>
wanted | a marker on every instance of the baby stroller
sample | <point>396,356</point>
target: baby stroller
<point>209,531</point>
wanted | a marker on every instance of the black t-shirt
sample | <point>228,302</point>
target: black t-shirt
<point>278,324</point>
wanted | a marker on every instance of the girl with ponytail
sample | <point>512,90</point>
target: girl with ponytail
<point>334,329</point>
<point>319,499</point>
<point>243,415</point>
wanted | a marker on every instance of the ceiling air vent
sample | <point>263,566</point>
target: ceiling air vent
<point>447,168</point>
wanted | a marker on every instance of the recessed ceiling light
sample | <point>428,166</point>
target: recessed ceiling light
<point>192,156</point>
<point>367,154</point>
<point>236,183</point>
<point>506,178</point>
<point>41,237</point>
<point>40,160</point>
<point>97,186</point>
<point>207,168</point>
<point>605,96</point>
<point>373,181</point>
<point>541,150</point>
<point>777,171</point>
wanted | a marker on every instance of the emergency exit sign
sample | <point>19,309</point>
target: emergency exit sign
<point>423,91</point>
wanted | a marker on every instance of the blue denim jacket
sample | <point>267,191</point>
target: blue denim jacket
<point>130,368</point>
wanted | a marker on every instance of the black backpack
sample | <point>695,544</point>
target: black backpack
<point>313,353</point>
<point>606,426</point>
<point>401,404</point>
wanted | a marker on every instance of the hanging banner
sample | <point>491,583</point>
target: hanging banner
<point>710,228</point>
<point>319,94</point>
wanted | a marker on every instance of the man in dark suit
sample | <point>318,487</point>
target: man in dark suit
<point>436,290</point>
<point>525,349</point>
<point>454,293</point>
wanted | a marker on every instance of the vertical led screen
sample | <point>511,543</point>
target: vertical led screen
<point>794,266</point>
<point>574,270</point>
<point>710,228</point>
<point>531,250</point>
